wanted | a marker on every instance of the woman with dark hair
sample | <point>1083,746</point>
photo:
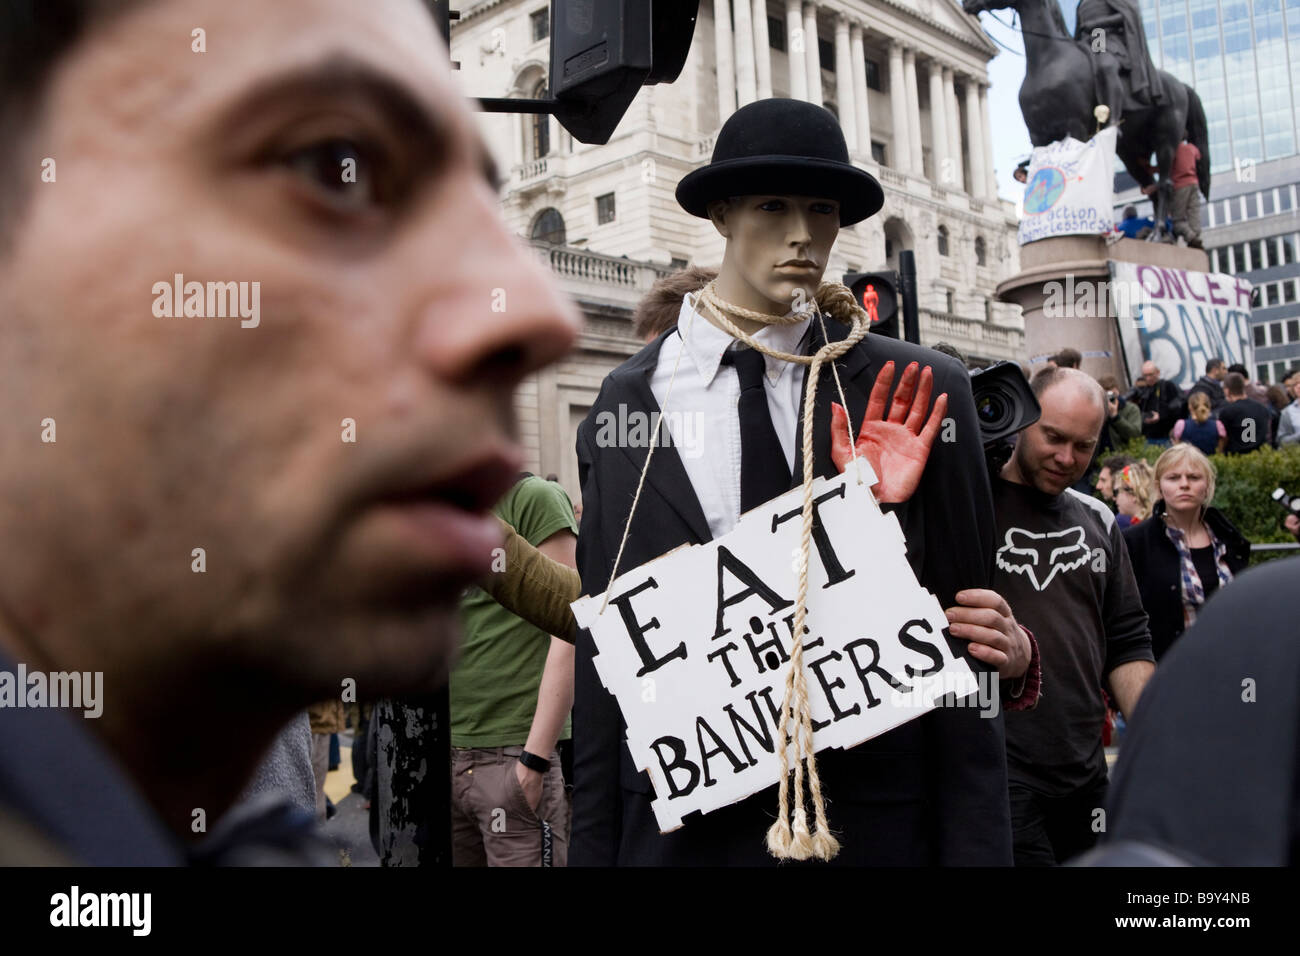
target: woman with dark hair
<point>1187,550</point>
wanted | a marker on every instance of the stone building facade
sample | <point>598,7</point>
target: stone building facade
<point>908,81</point>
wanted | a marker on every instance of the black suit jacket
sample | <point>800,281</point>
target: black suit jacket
<point>933,791</point>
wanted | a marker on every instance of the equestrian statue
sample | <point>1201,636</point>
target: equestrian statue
<point>1104,73</point>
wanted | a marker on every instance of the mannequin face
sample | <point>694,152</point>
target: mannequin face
<point>766,236</point>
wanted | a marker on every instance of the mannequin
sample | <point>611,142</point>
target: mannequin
<point>778,189</point>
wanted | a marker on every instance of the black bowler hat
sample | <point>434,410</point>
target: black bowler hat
<point>782,147</point>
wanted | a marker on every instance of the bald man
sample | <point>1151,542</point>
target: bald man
<point>1062,564</point>
<point>1160,401</point>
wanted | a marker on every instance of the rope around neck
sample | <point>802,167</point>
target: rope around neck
<point>786,840</point>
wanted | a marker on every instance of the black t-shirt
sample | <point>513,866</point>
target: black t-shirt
<point>1236,415</point>
<point>1066,574</point>
<point>1206,568</point>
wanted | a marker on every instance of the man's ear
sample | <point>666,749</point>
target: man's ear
<point>717,210</point>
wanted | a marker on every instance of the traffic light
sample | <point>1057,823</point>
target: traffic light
<point>604,51</point>
<point>885,285</point>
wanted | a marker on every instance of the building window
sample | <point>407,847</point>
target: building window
<point>776,33</point>
<point>1284,198</point>
<point>943,243</point>
<point>1207,215</point>
<point>678,264</point>
<point>1274,256</point>
<point>1273,294</point>
<point>1239,257</point>
<point>1288,291</point>
<point>873,75</point>
<point>1266,206</point>
<point>541,23</point>
<point>1275,333</point>
<point>878,152</point>
<point>1252,207</point>
<point>1261,371</point>
<point>1280,371</point>
<point>826,53</point>
<point>549,227</point>
<point>950,301</point>
<point>1293,330</point>
<point>980,251</point>
<point>1256,254</point>
<point>1225,210</point>
<point>604,209</point>
<point>541,126</point>
<point>1288,250</point>
<point>1261,337</point>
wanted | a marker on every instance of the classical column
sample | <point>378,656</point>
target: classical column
<point>746,87</point>
<point>812,54</point>
<point>794,48</point>
<point>938,128</point>
<point>954,130</point>
<point>913,110</point>
<point>858,59</point>
<point>845,95</point>
<point>992,187</point>
<point>726,70</point>
<point>900,157</point>
<point>979,178</point>
<point>762,51</point>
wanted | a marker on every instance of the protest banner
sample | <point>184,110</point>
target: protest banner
<point>1180,319</point>
<point>1070,189</point>
<point>694,645</point>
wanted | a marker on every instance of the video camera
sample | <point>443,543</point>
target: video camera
<point>1004,404</point>
<point>1288,503</point>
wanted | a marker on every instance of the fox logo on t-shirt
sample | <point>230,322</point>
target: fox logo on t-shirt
<point>1043,555</point>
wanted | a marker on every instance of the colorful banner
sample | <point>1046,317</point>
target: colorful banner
<point>1070,190</point>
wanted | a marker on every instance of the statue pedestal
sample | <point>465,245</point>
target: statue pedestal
<point>1075,270</point>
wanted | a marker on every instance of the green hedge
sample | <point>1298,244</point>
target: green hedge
<point>1243,485</point>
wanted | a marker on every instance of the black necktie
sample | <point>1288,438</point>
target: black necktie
<point>764,472</point>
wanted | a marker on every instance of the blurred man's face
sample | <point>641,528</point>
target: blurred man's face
<point>335,460</point>
<point>1104,486</point>
<point>1055,451</point>
<point>777,249</point>
<point>1150,374</point>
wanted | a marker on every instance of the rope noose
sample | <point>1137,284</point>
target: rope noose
<point>784,839</point>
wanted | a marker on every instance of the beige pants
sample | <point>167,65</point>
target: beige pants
<point>491,822</point>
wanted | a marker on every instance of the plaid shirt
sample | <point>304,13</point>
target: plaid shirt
<point>1193,590</point>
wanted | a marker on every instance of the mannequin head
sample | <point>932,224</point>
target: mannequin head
<point>765,234</point>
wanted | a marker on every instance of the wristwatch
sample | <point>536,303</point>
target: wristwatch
<point>534,762</point>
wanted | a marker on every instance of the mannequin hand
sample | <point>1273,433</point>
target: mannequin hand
<point>896,447</point>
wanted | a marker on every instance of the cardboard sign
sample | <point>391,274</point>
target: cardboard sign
<point>695,645</point>
<point>1070,189</point>
<point>1180,319</point>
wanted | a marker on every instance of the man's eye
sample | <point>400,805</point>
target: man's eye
<point>773,205</point>
<point>823,207</point>
<point>341,168</point>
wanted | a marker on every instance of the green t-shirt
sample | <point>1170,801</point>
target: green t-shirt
<point>494,685</point>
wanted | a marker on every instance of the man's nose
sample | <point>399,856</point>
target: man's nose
<point>798,229</point>
<point>492,311</point>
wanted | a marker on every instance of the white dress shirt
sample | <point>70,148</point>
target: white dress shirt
<point>703,406</point>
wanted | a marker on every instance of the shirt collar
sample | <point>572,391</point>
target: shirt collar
<point>705,342</point>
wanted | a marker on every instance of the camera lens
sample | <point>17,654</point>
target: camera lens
<point>993,408</point>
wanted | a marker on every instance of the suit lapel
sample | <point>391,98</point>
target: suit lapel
<point>851,369</point>
<point>667,475</point>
